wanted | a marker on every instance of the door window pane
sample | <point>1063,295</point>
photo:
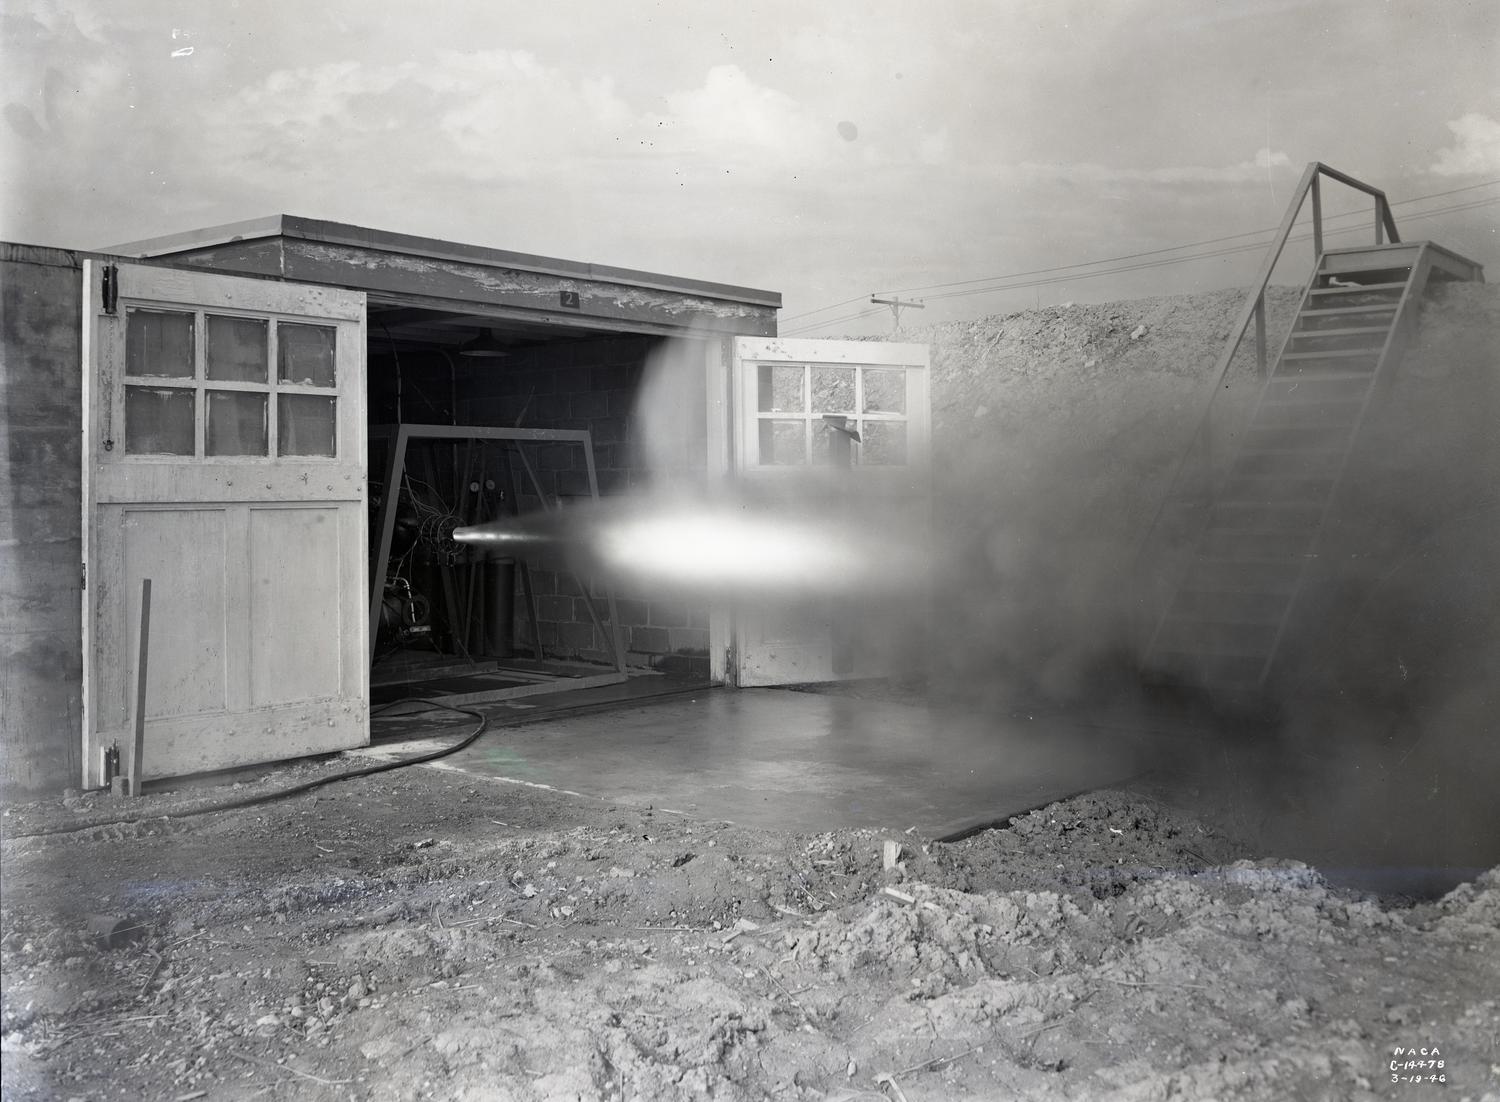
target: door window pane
<point>236,349</point>
<point>305,425</point>
<point>158,421</point>
<point>780,389</point>
<point>833,389</point>
<point>159,345</point>
<point>305,354</point>
<point>236,423</point>
<point>885,390</point>
<point>884,443</point>
<point>783,443</point>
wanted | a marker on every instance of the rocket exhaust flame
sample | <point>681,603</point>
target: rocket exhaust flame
<point>745,549</point>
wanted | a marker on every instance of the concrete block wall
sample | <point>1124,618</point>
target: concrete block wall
<point>41,431</point>
<point>643,432</point>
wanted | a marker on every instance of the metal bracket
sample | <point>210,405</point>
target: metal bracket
<point>109,289</point>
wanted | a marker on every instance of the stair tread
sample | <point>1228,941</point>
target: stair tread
<point>1346,331</point>
<point>1242,588</point>
<point>1269,620</point>
<point>1381,308</point>
<point>1280,479</point>
<point>1230,533</point>
<point>1244,500</point>
<point>1354,400</point>
<point>1362,289</point>
<point>1309,508</point>
<point>1394,266</point>
<point>1257,503</point>
<point>1323,443</point>
<point>1327,376</point>
<point>1227,531</point>
<point>1215,651</point>
<point>1166,656</point>
<point>1289,562</point>
<point>1329,449</point>
<point>1247,613</point>
<point>1202,589</point>
<point>1331,354</point>
<point>1308,501</point>
<point>1256,426</point>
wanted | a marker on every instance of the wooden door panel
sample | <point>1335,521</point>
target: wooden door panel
<point>183,551</point>
<point>786,644</point>
<point>258,560</point>
<point>221,740</point>
<point>294,564</point>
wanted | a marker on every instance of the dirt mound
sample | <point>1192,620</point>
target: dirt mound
<point>1074,364</point>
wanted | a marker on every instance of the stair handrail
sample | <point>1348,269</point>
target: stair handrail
<point>1255,307</point>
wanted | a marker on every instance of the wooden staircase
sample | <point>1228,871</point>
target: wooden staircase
<point>1222,627</point>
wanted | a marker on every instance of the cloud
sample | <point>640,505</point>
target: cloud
<point>59,17</point>
<point>1476,149</point>
<point>1264,161</point>
<point>506,115</point>
<point>730,117</point>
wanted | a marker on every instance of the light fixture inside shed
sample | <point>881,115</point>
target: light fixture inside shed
<point>482,347</point>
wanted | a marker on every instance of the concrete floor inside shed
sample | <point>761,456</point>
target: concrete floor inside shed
<point>781,759</point>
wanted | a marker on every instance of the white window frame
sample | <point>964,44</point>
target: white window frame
<point>200,386</point>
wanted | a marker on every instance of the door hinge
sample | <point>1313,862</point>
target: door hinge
<point>83,575</point>
<point>109,288</point>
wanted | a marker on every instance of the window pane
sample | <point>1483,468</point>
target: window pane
<point>236,423</point>
<point>833,389</point>
<point>884,443</point>
<point>783,443</point>
<point>159,345</point>
<point>830,446</point>
<point>780,389</point>
<point>158,421</point>
<point>304,354</point>
<point>236,349</point>
<point>885,390</point>
<point>304,425</point>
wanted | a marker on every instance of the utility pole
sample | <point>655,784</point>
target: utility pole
<point>896,304</point>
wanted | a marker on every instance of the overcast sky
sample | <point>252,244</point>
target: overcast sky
<point>824,149</point>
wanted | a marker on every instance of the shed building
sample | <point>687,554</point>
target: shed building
<point>281,421</point>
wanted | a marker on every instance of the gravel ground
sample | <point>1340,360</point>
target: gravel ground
<point>423,934</point>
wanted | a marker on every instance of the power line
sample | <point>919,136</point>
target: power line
<point>1252,247</point>
<point>1148,253</point>
<point>991,286</point>
<point>1176,248</point>
<point>820,309</point>
<point>1449,210</point>
<point>831,321</point>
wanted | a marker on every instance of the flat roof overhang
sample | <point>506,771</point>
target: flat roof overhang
<point>471,285</point>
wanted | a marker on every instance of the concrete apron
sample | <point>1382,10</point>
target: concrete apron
<point>783,760</point>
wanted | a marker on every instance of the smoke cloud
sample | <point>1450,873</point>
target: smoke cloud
<point>1024,579</point>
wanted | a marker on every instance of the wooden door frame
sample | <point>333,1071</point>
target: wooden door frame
<point>719,372</point>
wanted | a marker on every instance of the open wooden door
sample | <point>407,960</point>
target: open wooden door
<point>224,459</point>
<point>784,393</point>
